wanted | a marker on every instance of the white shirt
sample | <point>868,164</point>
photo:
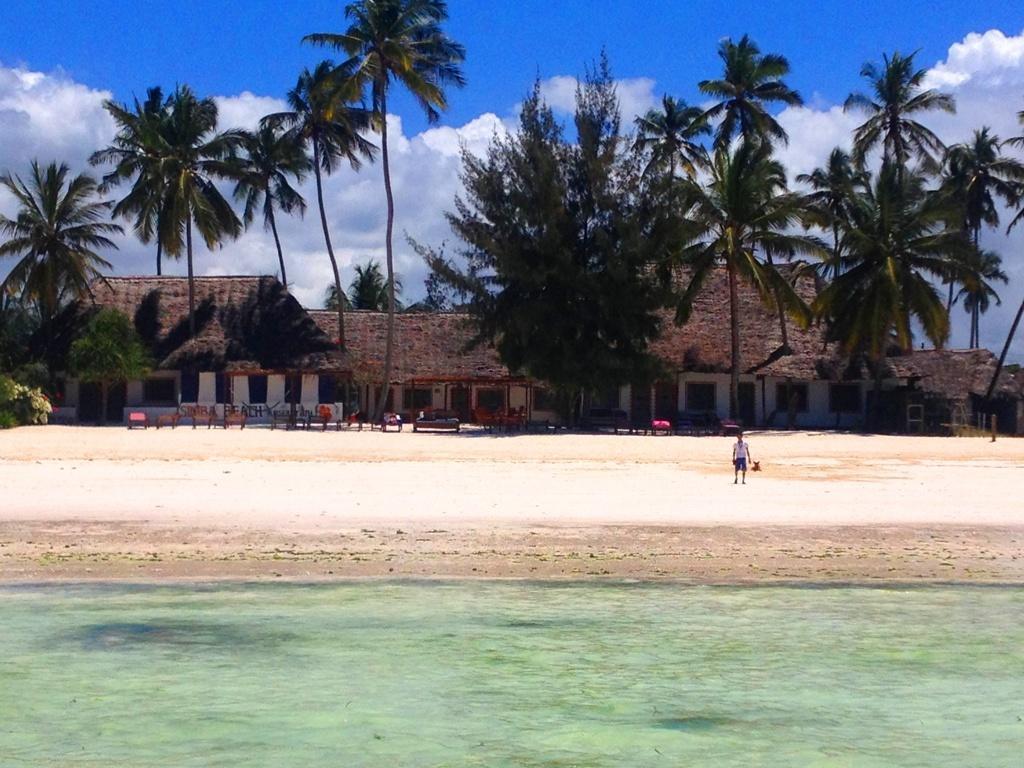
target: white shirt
<point>741,450</point>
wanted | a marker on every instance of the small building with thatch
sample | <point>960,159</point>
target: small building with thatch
<point>945,390</point>
<point>255,348</point>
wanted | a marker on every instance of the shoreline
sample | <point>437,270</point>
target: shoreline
<point>189,506</point>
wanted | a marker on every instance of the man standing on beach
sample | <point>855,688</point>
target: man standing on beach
<point>740,457</point>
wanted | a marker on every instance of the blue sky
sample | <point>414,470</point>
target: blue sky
<point>60,60</point>
<point>127,45</point>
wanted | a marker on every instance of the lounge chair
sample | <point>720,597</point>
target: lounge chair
<point>391,420</point>
<point>138,420</point>
<point>606,418</point>
<point>235,418</point>
<point>436,420</point>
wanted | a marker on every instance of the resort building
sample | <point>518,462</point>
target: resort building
<point>257,351</point>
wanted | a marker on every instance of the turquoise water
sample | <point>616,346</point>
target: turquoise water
<point>501,674</point>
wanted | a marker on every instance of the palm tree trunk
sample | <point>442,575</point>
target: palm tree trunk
<point>277,242</point>
<point>835,250</point>
<point>330,248</point>
<point>191,276</point>
<point>159,254</point>
<point>734,377</point>
<point>386,165</point>
<point>876,400</point>
<point>1005,352</point>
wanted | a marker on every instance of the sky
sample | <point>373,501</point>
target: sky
<point>60,60</point>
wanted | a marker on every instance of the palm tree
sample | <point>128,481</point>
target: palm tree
<point>193,157</point>
<point>976,174</point>
<point>897,96</point>
<point>270,158</point>
<point>834,188</point>
<point>136,154</point>
<point>750,81</point>
<point>326,117</point>
<point>1017,141</point>
<point>745,206</point>
<point>398,41</point>
<point>55,235</point>
<point>898,239</point>
<point>670,136</point>
<point>369,290</point>
<point>983,269</point>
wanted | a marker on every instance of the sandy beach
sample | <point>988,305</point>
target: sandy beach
<point>88,503</point>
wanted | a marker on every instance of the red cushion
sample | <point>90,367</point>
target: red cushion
<point>661,424</point>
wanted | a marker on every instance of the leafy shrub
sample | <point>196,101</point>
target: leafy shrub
<point>26,405</point>
<point>7,420</point>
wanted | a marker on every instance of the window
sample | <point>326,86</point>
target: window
<point>417,399</point>
<point>844,398</point>
<point>605,398</point>
<point>258,390</point>
<point>159,392</point>
<point>544,399</point>
<point>490,399</point>
<point>791,396</point>
<point>701,396</point>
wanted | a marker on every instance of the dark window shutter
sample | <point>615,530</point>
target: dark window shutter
<point>189,386</point>
<point>257,390</point>
<point>328,386</point>
<point>219,380</point>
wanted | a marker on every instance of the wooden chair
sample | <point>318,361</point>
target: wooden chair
<point>168,420</point>
<point>236,418</point>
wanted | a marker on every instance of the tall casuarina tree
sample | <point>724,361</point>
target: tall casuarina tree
<point>897,98</point>
<point>271,158</point>
<point>137,154</point>
<point>750,81</point>
<point>194,158</point>
<point>398,41</point>
<point>327,116</point>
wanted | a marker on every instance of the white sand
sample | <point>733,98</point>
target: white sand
<point>108,495</point>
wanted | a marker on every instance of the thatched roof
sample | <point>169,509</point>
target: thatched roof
<point>436,345</point>
<point>952,374</point>
<point>704,343</point>
<point>242,324</point>
<point>427,346</point>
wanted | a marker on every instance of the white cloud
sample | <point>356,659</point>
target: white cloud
<point>636,95</point>
<point>989,60</point>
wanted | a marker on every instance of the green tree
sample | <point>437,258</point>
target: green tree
<point>982,270</point>
<point>898,239</point>
<point>745,206</point>
<point>326,117</point>
<point>194,157</point>
<point>561,240</point>
<point>109,352</point>
<point>669,137</point>
<point>398,41</point>
<point>750,81</point>
<point>271,158</point>
<point>1017,141</point>
<point>55,234</point>
<point>976,174</point>
<point>369,290</point>
<point>834,187</point>
<point>137,154</point>
<point>897,97</point>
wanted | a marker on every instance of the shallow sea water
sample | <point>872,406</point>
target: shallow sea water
<point>510,674</point>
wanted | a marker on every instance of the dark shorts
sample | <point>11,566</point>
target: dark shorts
<point>741,465</point>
